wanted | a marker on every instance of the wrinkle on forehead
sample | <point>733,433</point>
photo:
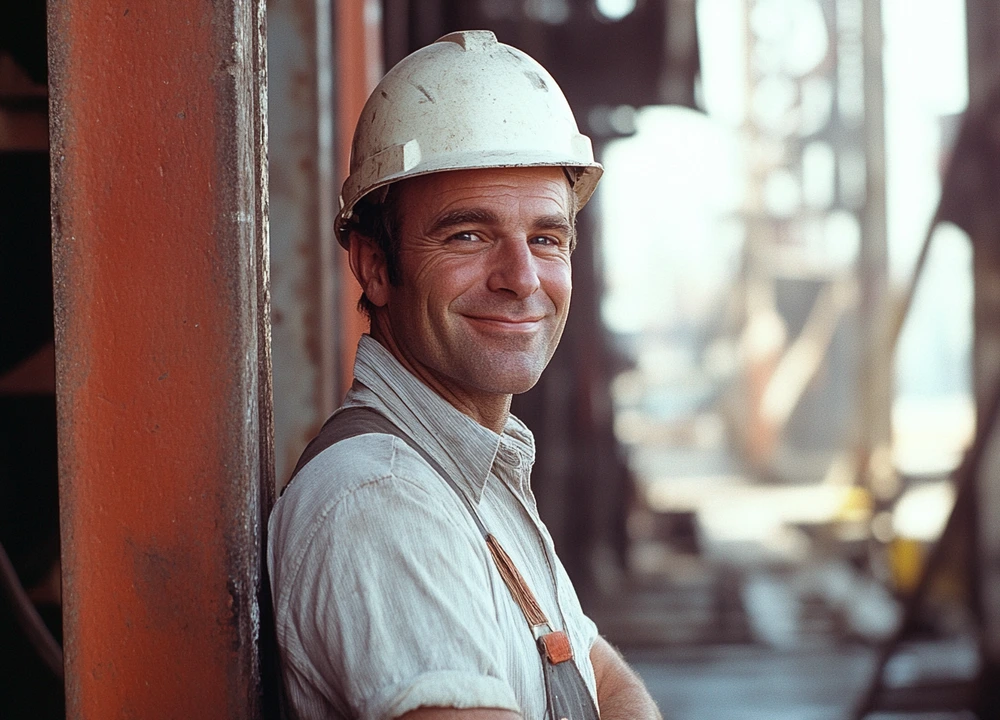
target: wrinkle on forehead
<point>481,195</point>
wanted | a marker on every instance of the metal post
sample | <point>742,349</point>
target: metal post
<point>302,207</point>
<point>983,23</point>
<point>163,380</point>
<point>875,386</point>
<point>357,36</point>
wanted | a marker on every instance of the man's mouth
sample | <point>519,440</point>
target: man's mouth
<point>507,322</point>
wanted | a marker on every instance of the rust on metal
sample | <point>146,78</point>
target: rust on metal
<point>160,268</point>
<point>303,201</point>
<point>358,29</point>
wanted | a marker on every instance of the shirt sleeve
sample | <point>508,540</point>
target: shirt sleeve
<point>393,605</point>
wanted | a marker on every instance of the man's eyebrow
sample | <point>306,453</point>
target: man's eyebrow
<point>467,216</point>
<point>554,222</point>
<point>560,224</point>
<point>482,216</point>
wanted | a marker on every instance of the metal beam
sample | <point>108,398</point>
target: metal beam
<point>981,221</point>
<point>982,21</point>
<point>160,264</point>
<point>357,37</point>
<point>303,202</point>
<point>875,382</point>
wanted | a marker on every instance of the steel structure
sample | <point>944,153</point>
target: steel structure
<point>982,222</point>
<point>303,193</point>
<point>323,60</point>
<point>159,177</point>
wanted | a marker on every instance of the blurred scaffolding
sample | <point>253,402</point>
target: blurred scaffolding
<point>798,318</point>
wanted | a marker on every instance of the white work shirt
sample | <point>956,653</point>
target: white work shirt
<point>386,597</point>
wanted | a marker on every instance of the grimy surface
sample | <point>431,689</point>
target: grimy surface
<point>159,261</point>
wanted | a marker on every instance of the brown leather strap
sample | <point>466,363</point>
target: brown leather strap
<point>519,589</point>
<point>557,647</point>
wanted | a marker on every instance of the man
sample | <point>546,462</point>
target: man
<point>411,575</point>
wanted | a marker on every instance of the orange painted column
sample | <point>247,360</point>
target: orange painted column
<point>359,68</point>
<point>163,380</point>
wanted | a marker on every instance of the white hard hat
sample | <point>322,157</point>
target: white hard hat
<point>464,102</point>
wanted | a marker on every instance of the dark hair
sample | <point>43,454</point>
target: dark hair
<point>378,222</point>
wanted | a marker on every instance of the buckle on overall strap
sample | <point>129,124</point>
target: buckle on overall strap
<point>556,647</point>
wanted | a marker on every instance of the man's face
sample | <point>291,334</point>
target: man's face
<point>485,285</point>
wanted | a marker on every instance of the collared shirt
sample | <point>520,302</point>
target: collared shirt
<point>386,597</point>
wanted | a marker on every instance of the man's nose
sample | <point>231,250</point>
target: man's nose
<point>514,269</point>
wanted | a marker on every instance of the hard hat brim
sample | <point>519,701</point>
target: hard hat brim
<point>585,183</point>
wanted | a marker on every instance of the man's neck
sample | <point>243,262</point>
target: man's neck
<point>488,409</point>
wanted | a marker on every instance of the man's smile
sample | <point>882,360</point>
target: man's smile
<point>508,323</point>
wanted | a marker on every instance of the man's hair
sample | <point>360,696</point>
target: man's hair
<point>380,223</point>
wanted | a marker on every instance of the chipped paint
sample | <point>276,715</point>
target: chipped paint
<point>160,263</point>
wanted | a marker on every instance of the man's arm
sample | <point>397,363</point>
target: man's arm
<point>620,692</point>
<point>456,714</point>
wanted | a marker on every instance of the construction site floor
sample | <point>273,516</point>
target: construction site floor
<point>751,682</point>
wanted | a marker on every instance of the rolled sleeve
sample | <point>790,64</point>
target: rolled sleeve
<point>388,606</point>
<point>443,688</point>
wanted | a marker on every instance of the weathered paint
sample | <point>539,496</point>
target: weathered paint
<point>303,202</point>
<point>358,29</point>
<point>160,267</point>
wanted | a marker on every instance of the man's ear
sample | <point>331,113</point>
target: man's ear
<point>369,267</point>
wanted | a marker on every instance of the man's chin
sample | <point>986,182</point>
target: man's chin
<point>523,388</point>
<point>511,383</point>
<point>501,371</point>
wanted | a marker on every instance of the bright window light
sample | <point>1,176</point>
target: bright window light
<point>615,9</point>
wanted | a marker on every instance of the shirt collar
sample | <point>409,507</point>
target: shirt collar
<point>462,446</point>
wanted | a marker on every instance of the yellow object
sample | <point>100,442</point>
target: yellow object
<point>856,505</point>
<point>906,562</point>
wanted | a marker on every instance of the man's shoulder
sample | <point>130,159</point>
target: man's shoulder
<point>373,459</point>
<point>363,495</point>
<point>365,474</point>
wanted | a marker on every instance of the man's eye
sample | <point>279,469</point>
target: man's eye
<point>466,237</point>
<point>545,240</point>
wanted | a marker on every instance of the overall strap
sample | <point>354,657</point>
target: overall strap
<point>364,421</point>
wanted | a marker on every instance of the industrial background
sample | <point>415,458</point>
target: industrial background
<point>766,443</point>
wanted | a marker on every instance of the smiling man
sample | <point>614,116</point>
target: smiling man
<point>484,283</point>
<point>411,575</point>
